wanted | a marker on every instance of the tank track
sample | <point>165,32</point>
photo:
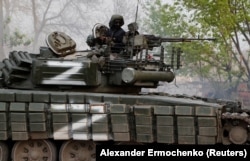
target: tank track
<point>36,124</point>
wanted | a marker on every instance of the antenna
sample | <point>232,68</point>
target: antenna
<point>137,8</point>
<point>136,15</point>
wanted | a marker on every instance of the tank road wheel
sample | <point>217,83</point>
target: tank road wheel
<point>4,153</point>
<point>238,135</point>
<point>75,150</point>
<point>34,150</point>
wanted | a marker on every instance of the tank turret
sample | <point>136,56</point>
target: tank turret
<point>60,66</point>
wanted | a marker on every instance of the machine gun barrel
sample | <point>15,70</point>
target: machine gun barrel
<point>154,38</point>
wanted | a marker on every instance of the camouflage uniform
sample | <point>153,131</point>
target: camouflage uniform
<point>116,33</point>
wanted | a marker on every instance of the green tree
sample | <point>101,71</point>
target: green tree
<point>9,38</point>
<point>229,20</point>
<point>226,60</point>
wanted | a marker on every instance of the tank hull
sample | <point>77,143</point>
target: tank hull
<point>99,117</point>
<point>56,108</point>
<point>96,116</point>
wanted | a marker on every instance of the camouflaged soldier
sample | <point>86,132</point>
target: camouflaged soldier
<point>98,37</point>
<point>128,39</point>
<point>116,33</point>
<point>97,42</point>
<point>113,38</point>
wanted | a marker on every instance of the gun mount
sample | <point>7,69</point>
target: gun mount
<point>156,40</point>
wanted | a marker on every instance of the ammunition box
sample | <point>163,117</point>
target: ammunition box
<point>61,127</point>
<point>119,119</point>
<point>7,96</point>
<point>58,97</point>
<point>168,139</point>
<point>34,127</point>
<point>37,117</point>
<point>206,140</point>
<point>61,135</point>
<point>58,108</point>
<point>99,127</point>
<point>207,121</point>
<point>164,120</point>
<point>3,126</point>
<point>185,121</point>
<point>20,136</point>
<point>80,135</point>
<point>186,140</point>
<point>78,108</point>
<point>37,107</point>
<point>79,117</point>
<point>18,117</point>
<point>41,97</point>
<point>99,118</point>
<point>3,106</point>
<point>3,117</point>
<point>145,138</point>
<point>184,110</point>
<point>82,126</point>
<point>186,130</point>
<point>165,130</point>
<point>3,135</point>
<point>100,136</point>
<point>205,111</point>
<point>119,108</point>
<point>60,117</point>
<point>93,98</point>
<point>120,128</point>
<point>121,136</point>
<point>143,110</point>
<point>208,131</point>
<point>143,120</point>
<point>98,108</point>
<point>144,129</point>
<point>75,98</point>
<point>23,97</point>
<point>17,106</point>
<point>164,110</point>
<point>18,127</point>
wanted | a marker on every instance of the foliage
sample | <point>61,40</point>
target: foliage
<point>160,18</point>
<point>227,59</point>
<point>17,38</point>
<point>14,38</point>
<point>229,21</point>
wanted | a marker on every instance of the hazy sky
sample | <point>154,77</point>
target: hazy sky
<point>101,14</point>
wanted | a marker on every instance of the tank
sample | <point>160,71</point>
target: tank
<point>58,104</point>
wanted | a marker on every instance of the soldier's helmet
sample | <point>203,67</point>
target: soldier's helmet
<point>116,18</point>
<point>99,30</point>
